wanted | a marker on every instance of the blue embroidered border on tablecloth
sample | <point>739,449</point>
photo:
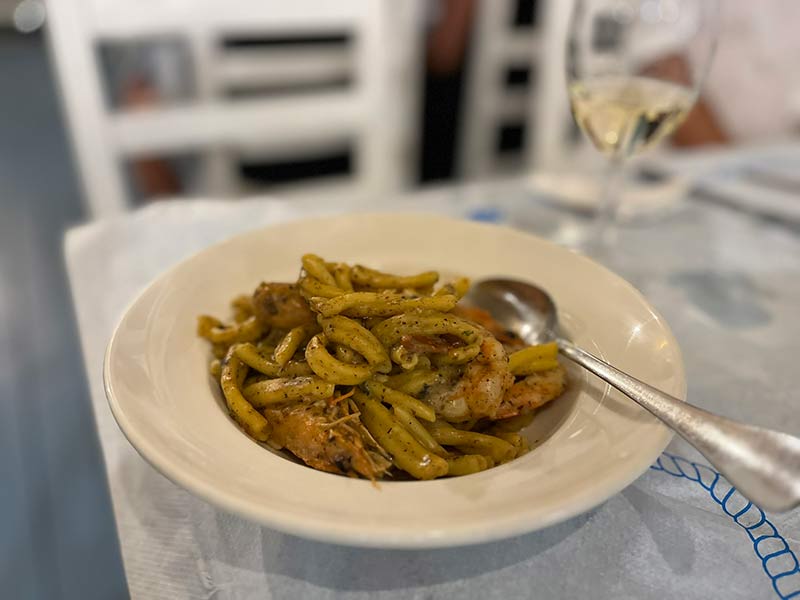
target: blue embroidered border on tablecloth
<point>750,518</point>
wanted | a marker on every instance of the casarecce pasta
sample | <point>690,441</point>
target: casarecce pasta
<point>371,374</point>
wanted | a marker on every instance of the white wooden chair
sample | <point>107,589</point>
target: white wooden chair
<point>376,112</point>
<point>509,127</point>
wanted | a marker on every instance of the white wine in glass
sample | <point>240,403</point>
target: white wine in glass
<point>634,71</point>
<point>622,115</point>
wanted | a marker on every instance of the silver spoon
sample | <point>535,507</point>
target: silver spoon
<point>763,465</point>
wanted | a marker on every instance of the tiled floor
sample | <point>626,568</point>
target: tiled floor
<point>57,535</point>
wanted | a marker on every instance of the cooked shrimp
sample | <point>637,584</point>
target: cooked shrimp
<point>476,390</point>
<point>326,437</point>
<point>429,344</point>
<point>532,392</point>
<point>280,305</point>
<point>510,340</point>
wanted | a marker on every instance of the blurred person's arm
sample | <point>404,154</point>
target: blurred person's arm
<point>447,41</point>
<point>701,125</point>
<point>154,176</point>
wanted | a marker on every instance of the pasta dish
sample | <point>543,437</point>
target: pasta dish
<point>369,374</point>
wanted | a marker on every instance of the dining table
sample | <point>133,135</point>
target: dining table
<point>721,263</point>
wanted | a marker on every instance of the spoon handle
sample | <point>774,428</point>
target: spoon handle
<point>763,465</point>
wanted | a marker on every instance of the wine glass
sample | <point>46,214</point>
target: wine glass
<point>634,71</point>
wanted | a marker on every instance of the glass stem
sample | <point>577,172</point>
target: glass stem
<point>608,209</point>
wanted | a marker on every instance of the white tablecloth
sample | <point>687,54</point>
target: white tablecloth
<point>728,284</point>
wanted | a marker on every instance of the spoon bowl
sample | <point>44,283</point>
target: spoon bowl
<point>524,309</point>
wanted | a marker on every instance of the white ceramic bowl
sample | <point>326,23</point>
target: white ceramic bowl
<point>590,444</point>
